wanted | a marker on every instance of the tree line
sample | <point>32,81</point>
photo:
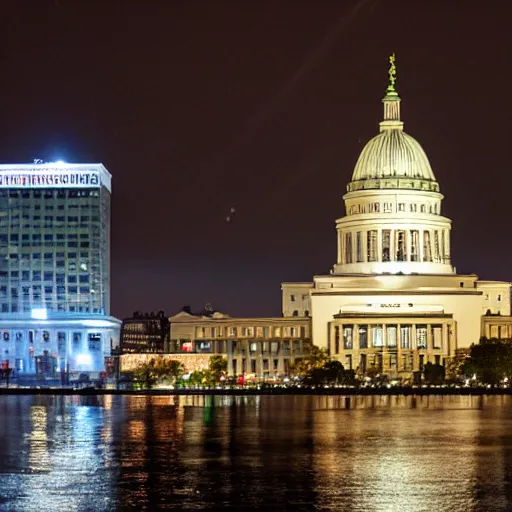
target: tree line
<point>487,362</point>
<point>172,372</point>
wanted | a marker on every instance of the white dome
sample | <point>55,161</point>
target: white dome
<point>393,222</point>
<point>393,154</point>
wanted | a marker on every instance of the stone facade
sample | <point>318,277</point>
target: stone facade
<point>396,346</point>
<point>259,347</point>
<point>495,326</point>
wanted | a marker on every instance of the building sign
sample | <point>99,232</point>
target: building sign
<point>391,308</point>
<point>48,178</point>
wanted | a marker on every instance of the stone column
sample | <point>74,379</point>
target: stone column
<point>229,350</point>
<point>379,245</point>
<point>430,341</point>
<point>408,244</point>
<point>447,244</point>
<point>385,351</point>
<point>398,347</point>
<point>355,337</point>
<point>420,248</point>
<point>437,248</point>
<point>340,246</point>
<point>445,340</point>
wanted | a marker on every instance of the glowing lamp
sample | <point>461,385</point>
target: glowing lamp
<point>84,359</point>
<point>39,314</point>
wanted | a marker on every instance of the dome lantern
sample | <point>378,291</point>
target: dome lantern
<point>391,101</point>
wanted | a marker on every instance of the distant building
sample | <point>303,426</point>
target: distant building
<point>55,269</point>
<point>145,333</point>
<point>261,347</point>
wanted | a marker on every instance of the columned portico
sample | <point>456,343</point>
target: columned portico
<point>395,345</point>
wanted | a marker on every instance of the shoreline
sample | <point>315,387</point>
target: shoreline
<point>405,391</point>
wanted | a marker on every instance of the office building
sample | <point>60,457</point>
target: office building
<point>55,269</point>
<point>145,333</point>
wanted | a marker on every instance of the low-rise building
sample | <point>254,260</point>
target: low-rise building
<point>145,333</point>
<point>261,347</point>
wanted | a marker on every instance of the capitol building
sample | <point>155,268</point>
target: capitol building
<point>393,299</point>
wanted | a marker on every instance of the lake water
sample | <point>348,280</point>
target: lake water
<point>255,453</point>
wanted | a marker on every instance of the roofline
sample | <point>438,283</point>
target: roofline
<point>249,319</point>
<point>490,283</point>
<point>453,276</point>
<point>55,165</point>
<point>403,292</point>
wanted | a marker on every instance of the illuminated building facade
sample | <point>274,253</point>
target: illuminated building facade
<point>145,332</point>
<point>54,268</point>
<point>258,347</point>
<point>393,300</point>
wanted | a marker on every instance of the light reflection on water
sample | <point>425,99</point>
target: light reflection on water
<point>242,453</point>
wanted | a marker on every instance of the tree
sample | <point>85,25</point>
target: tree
<point>317,369</point>
<point>171,368</point>
<point>491,360</point>
<point>314,377</point>
<point>434,373</point>
<point>304,366</point>
<point>146,373</point>
<point>197,378</point>
<point>334,373</point>
<point>158,370</point>
<point>218,367</point>
<point>459,367</point>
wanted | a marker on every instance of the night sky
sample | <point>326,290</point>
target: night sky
<point>197,107</point>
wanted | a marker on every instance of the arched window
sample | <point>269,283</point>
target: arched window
<point>295,313</point>
<point>306,313</point>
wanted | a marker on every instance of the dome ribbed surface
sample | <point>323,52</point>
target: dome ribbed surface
<point>393,153</point>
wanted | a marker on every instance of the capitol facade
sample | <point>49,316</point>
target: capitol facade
<point>393,299</point>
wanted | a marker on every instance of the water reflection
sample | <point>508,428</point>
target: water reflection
<point>39,458</point>
<point>282,452</point>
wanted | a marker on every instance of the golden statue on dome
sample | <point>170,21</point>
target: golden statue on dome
<point>392,73</point>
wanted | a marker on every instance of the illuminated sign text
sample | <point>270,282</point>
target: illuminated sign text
<point>49,178</point>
